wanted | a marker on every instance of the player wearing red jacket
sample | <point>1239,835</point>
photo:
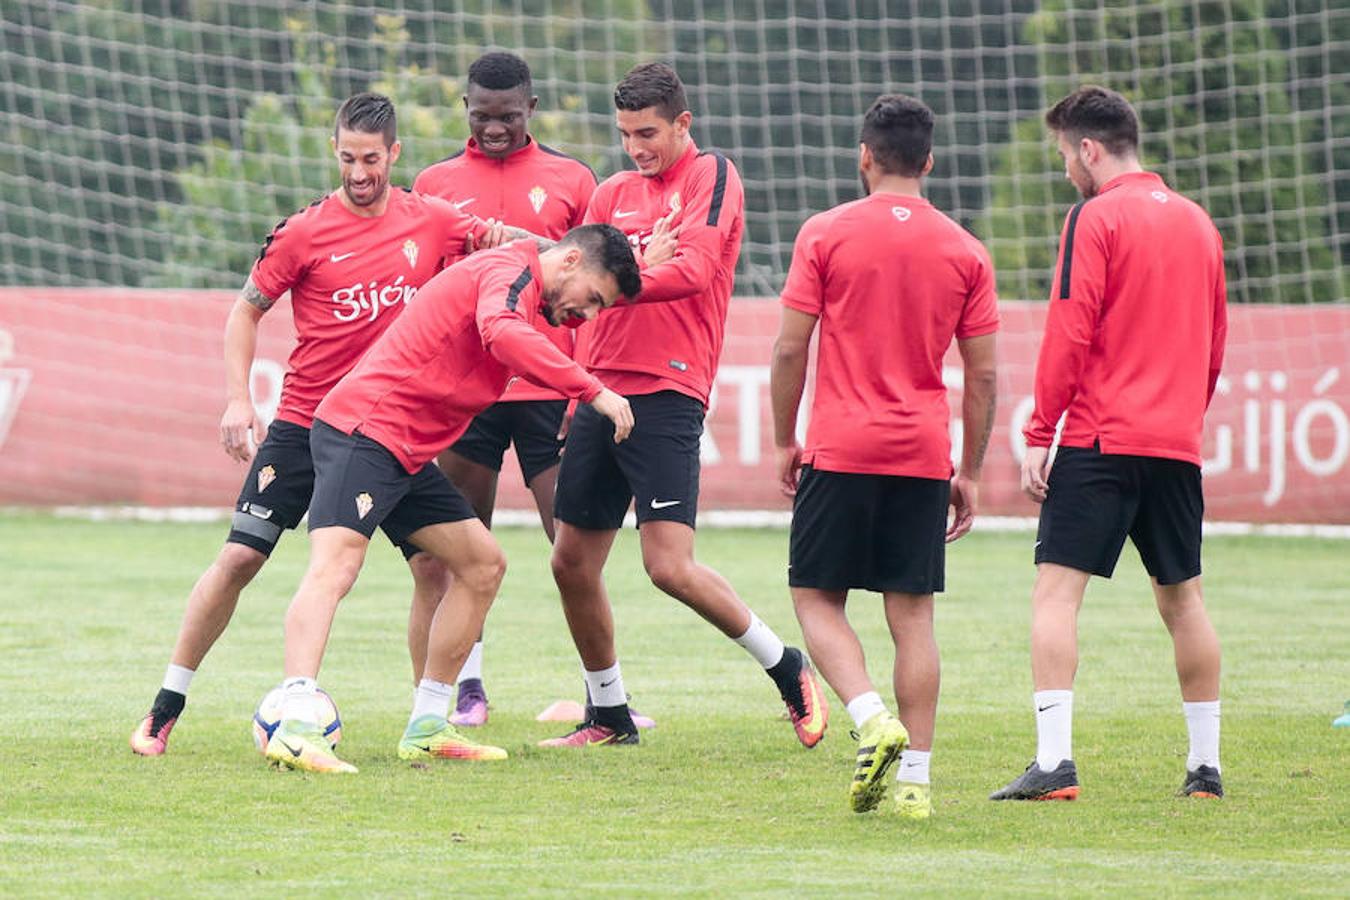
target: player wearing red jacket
<point>373,441</point>
<point>351,262</point>
<point>503,172</point>
<point>662,356</point>
<point>891,282</point>
<point>1133,346</point>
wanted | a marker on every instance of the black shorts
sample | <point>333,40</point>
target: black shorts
<point>1096,499</point>
<point>532,425</point>
<point>657,465</point>
<point>875,532</point>
<point>276,492</point>
<point>360,485</point>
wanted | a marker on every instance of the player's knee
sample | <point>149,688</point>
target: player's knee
<point>669,574</point>
<point>430,576</point>
<point>240,563</point>
<point>484,575</point>
<point>569,566</point>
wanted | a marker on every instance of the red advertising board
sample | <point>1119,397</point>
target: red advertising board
<point>113,397</point>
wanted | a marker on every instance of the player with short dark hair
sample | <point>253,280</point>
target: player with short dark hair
<point>1134,341</point>
<point>503,172</point>
<point>663,357</point>
<point>376,433</point>
<point>890,281</point>
<point>350,261</point>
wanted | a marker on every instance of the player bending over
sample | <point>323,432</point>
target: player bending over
<point>374,438</point>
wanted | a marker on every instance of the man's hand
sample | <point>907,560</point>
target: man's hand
<point>661,248</point>
<point>965,499</point>
<point>1035,472</point>
<point>615,408</point>
<point>239,421</point>
<point>495,236</point>
<point>566,424</point>
<point>789,462</point>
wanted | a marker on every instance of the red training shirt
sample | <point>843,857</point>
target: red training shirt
<point>658,346</point>
<point>537,188</point>
<point>1135,333</point>
<point>349,277</point>
<point>892,281</point>
<point>450,355</point>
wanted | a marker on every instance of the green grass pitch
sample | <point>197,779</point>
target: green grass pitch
<point>720,800</point>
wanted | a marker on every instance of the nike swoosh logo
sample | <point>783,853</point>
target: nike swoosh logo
<point>1044,708</point>
<point>1035,545</point>
<point>294,752</point>
<point>333,257</point>
<point>662,504</point>
<point>817,723</point>
<point>623,214</point>
<point>463,203</point>
<point>426,749</point>
<point>605,684</point>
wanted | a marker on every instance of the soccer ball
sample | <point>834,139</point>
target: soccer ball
<point>267,717</point>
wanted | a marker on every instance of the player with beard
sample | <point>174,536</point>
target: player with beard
<point>505,173</point>
<point>1134,342</point>
<point>350,261</point>
<point>375,435</point>
<point>662,355</point>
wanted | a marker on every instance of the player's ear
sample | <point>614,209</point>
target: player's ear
<point>534,101</point>
<point>683,120</point>
<point>865,158</point>
<point>332,143</point>
<point>928,164</point>
<point>394,150</point>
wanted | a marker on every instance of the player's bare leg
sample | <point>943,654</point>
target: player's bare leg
<point>431,579</point>
<point>1055,601</point>
<point>476,566</point>
<point>668,556</point>
<point>917,680</point>
<point>210,607</point>
<point>578,564</point>
<point>1198,661</point>
<point>542,486</point>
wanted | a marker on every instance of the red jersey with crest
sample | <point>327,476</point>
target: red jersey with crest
<point>1134,337</point>
<point>657,346</point>
<point>537,188</point>
<point>450,355</point>
<point>892,281</point>
<point>349,277</point>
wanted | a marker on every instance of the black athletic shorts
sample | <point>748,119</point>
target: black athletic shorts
<point>532,425</point>
<point>360,485</point>
<point>657,465</point>
<point>1096,499</point>
<point>875,532</point>
<point>276,492</point>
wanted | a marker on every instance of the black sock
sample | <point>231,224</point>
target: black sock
<point>168,705</point>
<point>615,718</point>
<point>784,672</point>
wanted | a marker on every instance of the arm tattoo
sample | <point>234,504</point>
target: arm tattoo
<point>982,444</point>
<point>251,294</point>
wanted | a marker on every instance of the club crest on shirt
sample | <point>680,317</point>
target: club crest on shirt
<point>410,251</point>
<point>901,213</point>
<point>266,475</point>
<point>364,504</point>
<point>675,203</point>
<point>1159,196</point>
<point>537,197</point>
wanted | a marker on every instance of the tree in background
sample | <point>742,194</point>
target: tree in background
<point>1223,120</point>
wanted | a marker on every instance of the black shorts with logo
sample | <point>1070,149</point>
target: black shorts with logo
<point>1096,499</point>
<point>657,466</point>
<point>883,533</point>
<point>276,492</point>
<point>532,425</point>
<point>360,485</point>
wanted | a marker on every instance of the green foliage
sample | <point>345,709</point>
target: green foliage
<point>718,801</point>
<point>1215,93</point>
<point>235,194</point>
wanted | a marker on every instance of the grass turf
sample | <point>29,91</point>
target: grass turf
<point>719,800</point>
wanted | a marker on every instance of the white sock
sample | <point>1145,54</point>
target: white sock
<point>1054,728</point>
<point>177,679</point>
<point>1202,723</point>
<point>914,766</point>
<point>864,707</point>
<point>297,699</point>
<point>606,687</point>
<point>761,643</point>
<point>432,699</point>
<point>473,666</point>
